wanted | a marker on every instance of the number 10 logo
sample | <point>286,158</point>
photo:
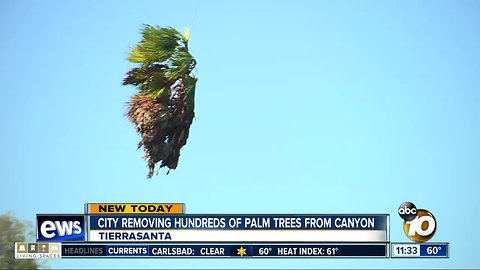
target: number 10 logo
<point>419,224</point>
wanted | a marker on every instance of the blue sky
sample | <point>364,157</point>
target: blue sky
<point>302,107</point>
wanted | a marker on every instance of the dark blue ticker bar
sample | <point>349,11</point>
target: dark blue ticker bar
<point>78,250</point>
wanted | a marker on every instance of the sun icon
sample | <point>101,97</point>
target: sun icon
<point>241,251</point>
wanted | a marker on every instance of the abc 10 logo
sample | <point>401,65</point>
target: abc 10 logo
<point>418,224</point>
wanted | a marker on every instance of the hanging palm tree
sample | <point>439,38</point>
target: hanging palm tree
<point>163,108</point>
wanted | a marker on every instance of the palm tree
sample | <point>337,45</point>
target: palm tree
<point>163,108</point>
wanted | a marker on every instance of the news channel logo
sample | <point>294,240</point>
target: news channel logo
<point>418,224</point>
<point>60,228</point>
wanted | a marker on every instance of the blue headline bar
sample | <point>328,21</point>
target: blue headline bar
<point>240,222</point>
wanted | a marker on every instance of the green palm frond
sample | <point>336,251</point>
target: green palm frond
<point>150,80</point>
<point>182,63</point>
<point>164,58</point>
<point>156,46</point>
<point>190,83</point>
